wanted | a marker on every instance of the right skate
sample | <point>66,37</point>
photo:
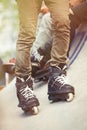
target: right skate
<point>27,100</point>
<point>58,89</point>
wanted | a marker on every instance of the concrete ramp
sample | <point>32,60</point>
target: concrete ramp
<point>52,116</point>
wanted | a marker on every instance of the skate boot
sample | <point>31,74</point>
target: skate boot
<point>58,89</point>
<point>39,70</point>
<point>27,100</point>
<point>35,62</point>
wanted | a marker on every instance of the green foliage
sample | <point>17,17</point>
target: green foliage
<point>8,17</point>
<point>6,56</point>
<point>8,12</point>
<point>5,3</point>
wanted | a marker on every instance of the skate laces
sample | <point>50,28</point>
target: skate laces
<point>27,93</point>
<point>60,79</point>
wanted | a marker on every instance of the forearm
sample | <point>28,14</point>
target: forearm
<point>74,3</point>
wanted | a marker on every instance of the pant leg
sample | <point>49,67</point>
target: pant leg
<point>80,12</point>
<point>44,34</point>
<point>78,17</point>
<point>28,13</point>
<point>61,30</point>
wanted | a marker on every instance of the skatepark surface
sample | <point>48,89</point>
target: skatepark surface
<point>52,116</point>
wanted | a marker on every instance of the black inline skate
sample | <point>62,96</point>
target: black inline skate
<point>58,89</point>
<point>39,67</point>
<point>27,100</point>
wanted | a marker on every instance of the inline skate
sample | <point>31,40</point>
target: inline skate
<point>58,89</point>
<point>27,100</point>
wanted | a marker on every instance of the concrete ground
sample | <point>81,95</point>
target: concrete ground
<point>52,116</point>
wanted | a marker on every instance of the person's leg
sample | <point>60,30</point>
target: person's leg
<point>79,16</point>
<point>40,52</point>
<point>61,30</point>
<point>80,12</point>
<point>43,39</point>
<point>57,87</point>
<point>28,13</point>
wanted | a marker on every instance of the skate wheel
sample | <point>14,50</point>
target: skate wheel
<point>70,97</point>
<point>35,110</point>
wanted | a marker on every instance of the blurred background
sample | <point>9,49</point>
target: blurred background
<point>8,29</point>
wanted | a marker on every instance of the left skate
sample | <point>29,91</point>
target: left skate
<point>27,99</point>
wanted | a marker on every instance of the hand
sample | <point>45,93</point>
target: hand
<point>44,9</point>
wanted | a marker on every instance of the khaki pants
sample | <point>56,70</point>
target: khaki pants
<point>28,14</point>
